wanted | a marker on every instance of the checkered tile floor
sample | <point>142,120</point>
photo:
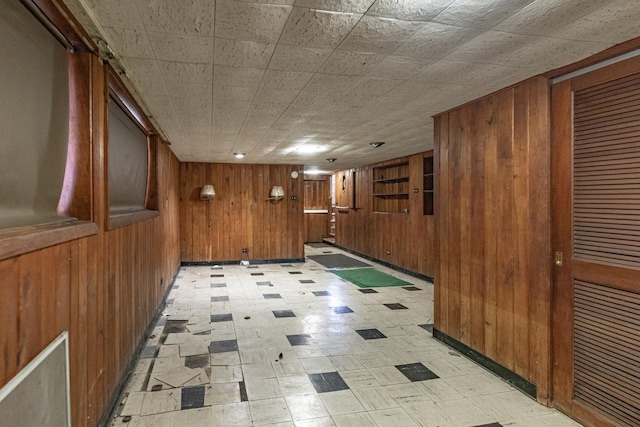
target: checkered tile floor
<point>295,345</point>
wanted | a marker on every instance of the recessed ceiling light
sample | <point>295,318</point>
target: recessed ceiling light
<point>239,155</point>
<point>331,159</point>
<point>376,144</point>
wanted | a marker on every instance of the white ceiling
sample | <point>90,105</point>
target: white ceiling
<point>266,77</point>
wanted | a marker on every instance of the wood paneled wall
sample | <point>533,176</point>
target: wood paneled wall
<point>408,237</point>
<point>104,289</point>
<point>493,285</point>
<point>240,216</point>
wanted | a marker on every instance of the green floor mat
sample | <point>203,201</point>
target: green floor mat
<point>369,278</point>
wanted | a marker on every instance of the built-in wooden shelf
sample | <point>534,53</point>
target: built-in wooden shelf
<point>391,188</point>
<point>427,181</point>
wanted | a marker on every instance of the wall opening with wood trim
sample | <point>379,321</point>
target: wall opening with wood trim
<point>383,215</point>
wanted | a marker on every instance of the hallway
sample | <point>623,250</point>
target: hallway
<point>295,345</point>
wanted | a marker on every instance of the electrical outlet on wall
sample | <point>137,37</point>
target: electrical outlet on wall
<point>245,250</point>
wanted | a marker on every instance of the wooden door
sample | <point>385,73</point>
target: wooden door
<point>596,227</point>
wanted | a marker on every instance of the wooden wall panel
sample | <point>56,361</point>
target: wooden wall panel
<point>240,216</point>
<point>404,240</point>
<point>493,274</point>
<point>103,289</point>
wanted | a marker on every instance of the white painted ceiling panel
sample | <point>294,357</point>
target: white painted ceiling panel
<point>266,77</point>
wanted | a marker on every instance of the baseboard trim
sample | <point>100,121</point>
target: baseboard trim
<point>232,262</point>
<point>508,375</point>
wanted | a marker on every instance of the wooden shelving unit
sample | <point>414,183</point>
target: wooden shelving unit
<point>427,189</point>
<point>391,188</point>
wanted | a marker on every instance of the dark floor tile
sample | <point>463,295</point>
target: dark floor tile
<point>175,327</point>
<point>321,293</point>
<point>257,274</point>
<point>149,352</point>
<point>253,266</point>
<point>396,306</point>
<point>220,298</point>
<point>411,288</point>
<point>301,339</point>
<point>286,265</point>
<point>243,392</point>
<point>192,397</point>
<point>199,361</point>
<point>218,285</point>
<point>427,327</point>
<point>327,382</point>
<point>490,425</point>
<point>283,313</point>
<point>307,281</point>
<point>170,301</point>
<point>162,321</point>
<point>223,346</point>
<point>217,275</point>
<point>227,317</point>
<point>295,272</point>
<point>370,334</point>
<point>327,252</point>
<point>416,372</point>
<point>271,296</point>
<point>368,291</point>
<point>342,309</point>
<point>263,283</point>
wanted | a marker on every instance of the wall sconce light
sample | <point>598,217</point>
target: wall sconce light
<point>207,192</point>
<point>277,193</point>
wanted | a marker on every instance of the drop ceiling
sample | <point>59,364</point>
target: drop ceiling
<point>276,79</point>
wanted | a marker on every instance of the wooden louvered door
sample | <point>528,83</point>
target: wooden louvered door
<point>596,196</point>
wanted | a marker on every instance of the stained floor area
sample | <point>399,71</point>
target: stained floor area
<point>295,345</point>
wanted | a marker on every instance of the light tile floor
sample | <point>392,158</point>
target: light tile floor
<point>259,346</point>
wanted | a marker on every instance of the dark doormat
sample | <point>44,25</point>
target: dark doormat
<point>338,261</point>
<point>318,245</point>
<point>371,278</point>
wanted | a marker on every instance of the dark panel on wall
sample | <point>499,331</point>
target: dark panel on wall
<point>404,239</point>
<point>493,275</point>
<point>240,216</point>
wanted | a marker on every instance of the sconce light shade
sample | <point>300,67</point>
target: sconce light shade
<point>277,193</point>
<point>207,192</point>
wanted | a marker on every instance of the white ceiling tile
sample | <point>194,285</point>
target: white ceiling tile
<point>233,76</point>
<point>250,21</point>
<point>355,6</point>
<point>399,67</point>
<point>191,72</point>
<point>233,93</point>
<point>130,42</point>
<point>285,80</point>
<point>330,83</point>
<point>351,63</point>
<point>317,28</point>
<point>614,22</point>
<point>186,89</point>
<point>490,47</point>
<point>298,58</point>
<point>544,16</point>
<point>144,70</point>
<point>268,107</point>
<point>435,40</point>
<point>465,73</point>
<point>545,53</point>
<point>380,35</point>
<point>176,47</point>
<point>278,96</point>
<point>116,13</point>
<point>241,53</point>
<point>479,13</point>
<point>373,85</point>
<point>422,10</point>
<point>193,17</point>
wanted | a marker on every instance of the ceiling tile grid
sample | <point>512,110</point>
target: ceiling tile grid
<point>268,77</point>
